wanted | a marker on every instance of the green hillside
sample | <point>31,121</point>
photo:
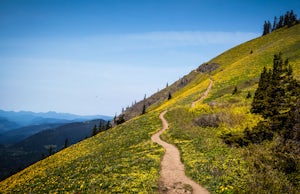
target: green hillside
<point>124,160</point>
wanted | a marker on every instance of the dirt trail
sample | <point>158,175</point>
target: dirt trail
<point>173,179</point>
<point>204,94</point>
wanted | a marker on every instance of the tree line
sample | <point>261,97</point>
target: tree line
<point>289,19</point>
<point>103,126</point>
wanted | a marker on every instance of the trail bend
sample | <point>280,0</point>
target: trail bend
<point>204,95</point>
<point>173,179</point>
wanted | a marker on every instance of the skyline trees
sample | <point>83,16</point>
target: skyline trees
<point>289,20</point>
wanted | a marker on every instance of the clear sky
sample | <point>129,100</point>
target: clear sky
<point>95,57</point>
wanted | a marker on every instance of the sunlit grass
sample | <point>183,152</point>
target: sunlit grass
<point>121,160</point>
<point>239,65</point>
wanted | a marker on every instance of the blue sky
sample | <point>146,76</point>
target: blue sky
<point>95,57</point>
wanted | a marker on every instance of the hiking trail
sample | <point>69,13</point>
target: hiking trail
<point>204,94</point>
<point>173,179</point>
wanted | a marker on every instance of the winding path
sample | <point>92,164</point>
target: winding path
<point>203,95</point>
<point>173,179</point>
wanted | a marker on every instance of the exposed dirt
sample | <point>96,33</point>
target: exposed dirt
<point>207,67</point>
<point>173,179</point>
<point>204,94</point>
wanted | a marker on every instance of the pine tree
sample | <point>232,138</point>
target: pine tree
<point>267,28</point>
<point>144,109</point>
<point>50,150</point>
<point>95,130</point>
<point>280,23</point>
<point>282,97</point>
<point>248,95</point>
<point>108,125</point>
<point>260,100</point>
<point>66,143</point>
<point>169,96</point>
<point>276,94</point>
<point>119,120</point>
<point>101,126</point>
<point>286,19</point>
<point>274,24</point>
<point>293,18</point>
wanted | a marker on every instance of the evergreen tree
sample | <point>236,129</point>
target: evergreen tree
<point>292,127</point>
<point>95,130</point>
<point>293,18</point>
<point>276,94</point>
<point>280,23</point>
<point>259,103</point>
<point>267,28</point>
<point>108,125</point>
<point>274,24</point>
<point>144,109</point>
<point>66,143</point>
<point>50,150</point>
<point>102,126</point>
<point>248,95</point>
<point>286,19</point>
<point>169,96</point>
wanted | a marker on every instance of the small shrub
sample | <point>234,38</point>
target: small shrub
<point>259,133</point>
<point>120,119</point>
<point>233,138</point>
<point>248,95</point>
<point>169,96</point>
<point>235,90</point>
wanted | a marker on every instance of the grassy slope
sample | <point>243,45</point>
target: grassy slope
<point>208,160</point>
<point>121,160</point>
<point>124,160</point>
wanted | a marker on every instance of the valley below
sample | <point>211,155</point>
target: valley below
<point>26,145</point>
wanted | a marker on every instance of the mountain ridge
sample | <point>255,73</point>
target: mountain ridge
<point>26,118</point>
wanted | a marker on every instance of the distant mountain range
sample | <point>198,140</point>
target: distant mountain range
<point>20,149</point>
<point>11,120</point>
<point>25,136</point>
